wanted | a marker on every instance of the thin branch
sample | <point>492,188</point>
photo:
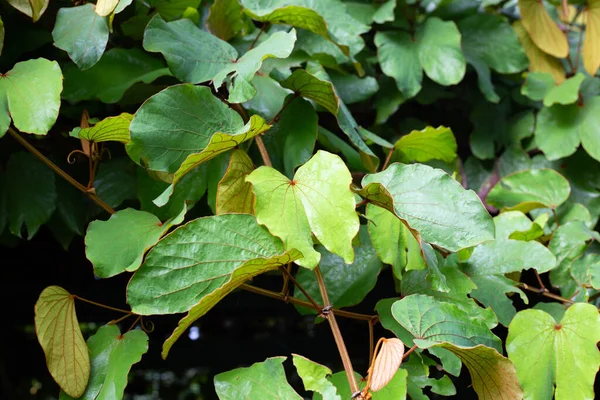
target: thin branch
<point>371,343</point>
<point>299,286</point>
<point>545,292</point>
<point>278,115</point>
<point>337,335</point>
<point>102,305</point>
<point>263,151</point>
<point>539,279</point>
<point>387,159</point>
<point>60,172</point>
<point>262,29</point>
<point>409,351</point>
<point>286,280</point>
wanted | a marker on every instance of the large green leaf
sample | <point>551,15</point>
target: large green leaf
<point>317,200</point>
<point>314,377</point>
<point>82,33</point>
<point>119,244</point>
<point>30,95</point>
<point>491,292</point>
<point>565,353</point>
<point>418,369</point>
<point>221,253</point>
<point>398,58</point>
<point>109,129</point>
<point>427,144</point>
<point>117,71</point>
<point>390,238</point>
<point>530,189</point>
<point>116,181</point>
<point>432,203</point>
<point>234,194</point>
<point>432,321</point>
<point>264,380</point>
<point>59,335</point>
<point>112,355</point>
<point>347,285</point>
<point>31,193</point>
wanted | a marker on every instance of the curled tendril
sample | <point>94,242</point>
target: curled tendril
<point>147,326</point>
<point>71,159</point>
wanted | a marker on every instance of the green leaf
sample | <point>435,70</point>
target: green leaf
<point>566,355</point>
<point>31,8</point>
<point>530,189</point>
<point>314,377</point>
<point>395,389</point>
<point>114,129</point>
<point>586,270</point>
<point>117,71</point>
<point>493,375</point>
<point>389,237</point>
<point>427,144</point>
<point>225,19</point>
<point>440,52</point>
<point>269,99</point>
<point>112,355</point>
<point>32,197</point>
<point>309,86</point>
<point>238,249</point>
<point>537,85</point>
<point>384,311</point>
<point>264,380</point>
<point>116,181</point>
<point>353,89</point>
<point>347,285</point>
<point>439,322</point>
<point>432,203</point>
<point>317,200</point>
<point>82,33</point>
<point>568,242</point>
<point>491,292</point>
<point>418,379</point>
<point>534,232</point>
<point>398,57</point>
<point>30,95</point>
<point>59,335</point>
<point>234,194</point>
<point>71,206</point>
<point>119,244</point>
<point>565,93</point>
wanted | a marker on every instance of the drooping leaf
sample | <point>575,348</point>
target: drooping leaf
<point>117,71</point>
<point>590,51</point>
<point>225,19</point>
<point>317,200</point>
<point>112,355</point>
<point>427,144</point>
<point>314,377</point>
<point>31,8</point>
<point>586,270</point>
<point>566,353</point>
<point>537,85</point>
<point>109,129</point>
<point>30,95</point>
<point>234,194</point>
<point>543,31</point>
<point>386,363</point>
<point>432,321</point>
<point>59,335</point>
<point>432,203</point>
<point>313,88</point>
<point>264,380</point>
<point>530,189</point>
<point>82,32</point>
<point>32,197</point>
<point>119,244</point>
<point>538,60</point>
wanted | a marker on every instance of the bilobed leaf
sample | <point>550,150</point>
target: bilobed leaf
<point>234,194</point>
<point>115,129</point>
<point>317,200</point>
<point>591,44</point>
<point>432,203</point>
<point>119,244</point>
<point>530,189</point>
<point>112,355</point>
<point>82,33</point>
<point>30,95</point>
<point>309,86</point>
<point>386,363</point>
<point>314,377</point>
<point>566,353</point>
<point>428,144</point>
<point>31,8</point>
<point>222,251</point>
<point>265,380</point>
<point>432,321</point>
<point>351,88</point>
<point>225,19</point>
<point>538,60</point>
<point>544,32</point>
<point>398,57</point>
<point>493,375</point>
<point>59,335</point>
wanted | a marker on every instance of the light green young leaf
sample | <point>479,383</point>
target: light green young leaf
<point>225,19</point>
<point>389,237</point>
<point>537,85</point>
<point>566,353</point>
<point>109,129</point>
<point>314,376</point>
<point>432,203</point>
<point>30,95</point>
<point>530,189</point>
<point>565,93</point>
<point>317,200</point>
<point>568,242</point>
<point>31,8</point>
<point>586,270</point>
<point>439,322</point>
<point>234,194</point>
<point>427,144</point>
<point>82,32</point>
<point>112,355</point>
<point>309,86</point>
<point>119,244</point>
<point>59,335</point>
<point>265,380</point>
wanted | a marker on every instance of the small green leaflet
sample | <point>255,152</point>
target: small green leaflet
<point>549,354</point>
<point>109,129</point>
<point>541,86</point>
<point>314,377</point>
<point>427,144</point>
<point>317,200</point>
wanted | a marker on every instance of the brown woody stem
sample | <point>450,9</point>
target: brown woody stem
<point>545,292</point>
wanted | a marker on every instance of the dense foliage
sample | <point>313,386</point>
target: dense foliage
<point>449,148</point>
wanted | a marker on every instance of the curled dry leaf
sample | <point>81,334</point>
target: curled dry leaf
<point>386,363</point>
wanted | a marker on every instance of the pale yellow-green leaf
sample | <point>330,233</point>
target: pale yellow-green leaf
<point>538,60</point>
<point>428,144</point>
<point>111,129</point>
<point>542,29</point>
<point>591,45</point>
<point>31,8</point>
<point>234,194</point>
<point>105,7</point>
<point>310,87</point>
<point>59,335</point>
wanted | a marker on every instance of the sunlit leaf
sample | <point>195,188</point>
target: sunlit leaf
<point>544,32</point>
<point>314,377</point>
<point>538,60</point>
<point>106,7</point>
<point>109,129</point>
<point>234,194</point>
<point>31,8</point>
<point>427,144</point>
<point>565,93</point>
<point>591,45</point>
<point>59,335</point>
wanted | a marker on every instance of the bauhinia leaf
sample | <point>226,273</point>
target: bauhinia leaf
<point>310,87</point>
<point>317,200</point>
<point>557,358</point>
<point>59,335</point>
<point>265,380</point>
<point>115,129</point>
<point>112,355</point>
<point>314,377</point>
<point>221,253</point>
<point>119,244</point>
<point>234,194</point>
<point>429,201</point>
<point>427,144</point>
<point>544,32</point>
